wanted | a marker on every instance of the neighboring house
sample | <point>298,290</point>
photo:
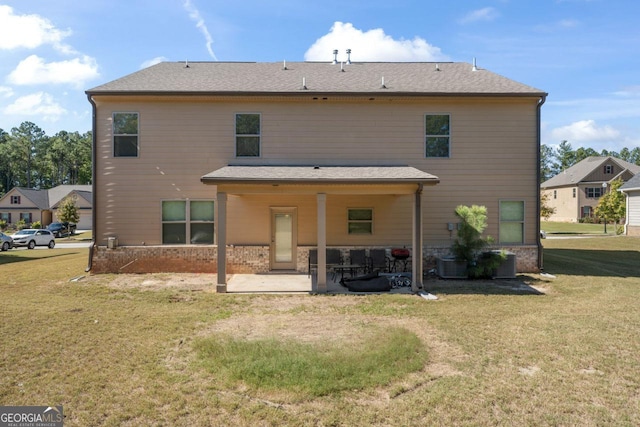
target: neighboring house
<point>41,205</point>
<point>632,190</point>
<point>269,160</point>
<point>576,191</point>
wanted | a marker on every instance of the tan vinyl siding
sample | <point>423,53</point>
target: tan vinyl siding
<point>567,207</point>
<point>493,157</point>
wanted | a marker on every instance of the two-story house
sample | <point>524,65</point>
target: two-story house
<point>31,205</point>
<point>269,160</point>
<point>575,192</point>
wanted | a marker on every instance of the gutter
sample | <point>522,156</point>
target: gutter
<point>94,214</point>
<point>543,98</point>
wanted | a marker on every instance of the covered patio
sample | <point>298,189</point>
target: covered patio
<point>318,182</point>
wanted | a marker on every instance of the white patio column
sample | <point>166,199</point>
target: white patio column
<point>221,219</point>
<point>416,259</point>
<point>322,243</point>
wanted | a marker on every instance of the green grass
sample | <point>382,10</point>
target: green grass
<point>314,370</point>
<point>480,355</point>
<point>575,228</point>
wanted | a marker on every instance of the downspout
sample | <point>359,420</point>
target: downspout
<point>538,156</point>
<point>93,182</point>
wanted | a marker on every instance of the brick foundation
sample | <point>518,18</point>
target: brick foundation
<point>242,259</point>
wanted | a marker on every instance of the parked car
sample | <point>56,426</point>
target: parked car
<point>59,229</point>
<point>31,237</point>
<point>6,241</point>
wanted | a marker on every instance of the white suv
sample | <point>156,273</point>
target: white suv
<point>34,237</point>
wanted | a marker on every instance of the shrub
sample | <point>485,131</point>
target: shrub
<point>469,245</point>
<point>36,224</point>
<point>3,224</point>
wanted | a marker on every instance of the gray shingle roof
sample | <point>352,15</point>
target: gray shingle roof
<point>632,184</point>
<point>582,169</point>
<point>320,77</point>
<point>40,198</point>
<point>319,174</point>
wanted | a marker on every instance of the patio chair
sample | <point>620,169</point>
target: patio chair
<point>378,260</point>
<point>358,257</point>
<point>313,260</point>
<point>334,258</point>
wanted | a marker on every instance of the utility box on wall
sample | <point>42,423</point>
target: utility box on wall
<point>112,242</point>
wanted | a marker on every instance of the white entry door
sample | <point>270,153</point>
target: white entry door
<point>284,241</point>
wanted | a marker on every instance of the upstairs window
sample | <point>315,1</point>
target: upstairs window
<point>437,134</point>
<point>125,134</point>
<point>247,135</point>
<point>360,221</point>
<point>593,192</point>
<point>15,200</point>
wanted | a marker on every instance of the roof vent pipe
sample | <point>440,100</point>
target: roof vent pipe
<point>475,68</point>
<point>382,86</point>
<point>186,63</point>
<point>304,83</point>
<point>349,56</point>
<point>284,64</point>
<point>342,66</point>
<point>335,56</point>
<point>437,67</point>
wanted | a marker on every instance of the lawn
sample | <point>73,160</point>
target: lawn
<point>114,354</point>
<point>576,228</point>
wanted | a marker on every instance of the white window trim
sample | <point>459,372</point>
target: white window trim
<point>523,222</point>
<point>235,135</point>
<point>113,135</point>
<point>425,136</point>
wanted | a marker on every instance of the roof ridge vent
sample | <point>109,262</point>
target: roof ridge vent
<point>335,56</point>
<point>348,56</point>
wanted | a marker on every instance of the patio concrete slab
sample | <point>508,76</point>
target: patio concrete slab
<point>269,283</point>
<point>276,283</point>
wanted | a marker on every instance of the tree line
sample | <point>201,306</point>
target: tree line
<point>30,158</point>
<point>553,161</point>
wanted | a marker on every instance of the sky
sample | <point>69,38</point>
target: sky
<point>584,53</point>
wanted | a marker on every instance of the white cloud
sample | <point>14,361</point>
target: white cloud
<point>6,92</point>
<point>194,14</point>
<point>153,61</point>
<point>585,131</point>
<point>30,31</point>
<point>33,70</point>
<point>485,14</point>
<point>38,104</point>
<point>372,45</point>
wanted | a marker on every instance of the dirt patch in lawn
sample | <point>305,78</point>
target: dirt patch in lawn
<point>160,281</point>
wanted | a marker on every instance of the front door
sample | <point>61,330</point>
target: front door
<point>283,238</point>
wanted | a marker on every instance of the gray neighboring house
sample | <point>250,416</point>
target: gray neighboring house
<point>41,205</point>
<point>632,190</point>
